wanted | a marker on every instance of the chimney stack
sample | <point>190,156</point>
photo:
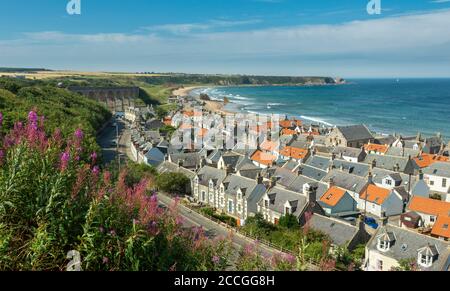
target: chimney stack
<point>273,182</point>
<point>384,219</point>
<point>259,178</point>
<point>420,175</point>
<point>373,165</point>
<point>311,192</point>
<point>331,183</point>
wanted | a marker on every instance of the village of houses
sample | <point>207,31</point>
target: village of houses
<point>391,193</point>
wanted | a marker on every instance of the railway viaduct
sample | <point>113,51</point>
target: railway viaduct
<point>115,98</point>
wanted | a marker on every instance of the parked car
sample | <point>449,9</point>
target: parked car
<point>371,222</point>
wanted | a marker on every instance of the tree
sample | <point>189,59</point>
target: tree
<point>289,221</point>
<point>167,130</point>
<point>172,183</point>
<point>406,265</point>
<point>161,112</point>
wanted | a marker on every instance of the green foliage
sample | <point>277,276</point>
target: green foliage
<point>167,130</point>
<point>137,172</point>
<point>175,183</point>
<point>407,265</point>
<point>161,112</point>
<point>210,212</point>
<point>62,109</point>
<point>52,204</point>
<point>289,221</point>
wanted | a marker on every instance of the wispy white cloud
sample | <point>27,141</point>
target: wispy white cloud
<point>417,44</point>
<point>182,28</point>
<point>440,1</point>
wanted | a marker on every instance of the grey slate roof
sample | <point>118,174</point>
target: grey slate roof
<point>253,190</point>
<point>155,157</point>
<point>214,157</point>
<point>168,167</point>
<point>355,132</point>
<point>208,173</point>
<point>313,173</point>
<point>189,160</point>
<point>279,196</point>
<point>347,152</point>
<point>235,182</point>
<point>379,174</point>
<point>291,165</point>
<point>441,169</point>
<point>398,152</point>
<point>297,184</point>
<point>390,162</point>
<point>284,177</point>
<point>302,144</point>
<point>318,162</point>
<point>231,159</point>
<point>340,233</point>
<point>346,181</point>
<point>358,169</point>
<point>407,243</point>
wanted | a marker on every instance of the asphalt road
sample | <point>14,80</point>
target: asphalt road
<point>108,136</point>
<point>190,218</point>
<point>212,229</point>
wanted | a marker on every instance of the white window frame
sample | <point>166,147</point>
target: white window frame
<point>383,246</point>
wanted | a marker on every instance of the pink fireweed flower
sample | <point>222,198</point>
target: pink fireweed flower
<point>216,260</point>
<point>33,117</point>
<point>79,134</point>
<point>2,156</point>
<point>64,161</point>
<point>96,171</point>
<point>105,261</point>
<point>94,157</point>
<point>41,121</point>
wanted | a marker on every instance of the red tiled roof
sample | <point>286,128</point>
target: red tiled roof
<point>441,227</point>
<point>296,153</point>
<point>263,158</point>
<point>376,148</point>
<point>426,160</point>
<point>333,196</point>
<point>375,194</point>
<point>429,206</point>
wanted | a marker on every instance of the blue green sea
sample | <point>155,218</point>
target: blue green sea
<point>404,106</point>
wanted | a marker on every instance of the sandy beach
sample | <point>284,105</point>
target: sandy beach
<point>184,91</point>
<point>213,106</point>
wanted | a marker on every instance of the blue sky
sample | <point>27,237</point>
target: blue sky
<point>273,37</point>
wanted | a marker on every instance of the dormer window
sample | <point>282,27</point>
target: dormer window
<point>427,256</point>
<point>266,203</point>
<point>383,245</point>
<point>385,241</point>
<point>425,260</point>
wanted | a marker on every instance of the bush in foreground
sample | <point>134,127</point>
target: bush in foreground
<point>55,199</point>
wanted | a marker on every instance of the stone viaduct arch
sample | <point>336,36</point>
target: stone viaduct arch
<point>115,98</point>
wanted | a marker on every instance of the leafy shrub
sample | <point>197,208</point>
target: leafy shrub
<point>55,199</point>
<point>172,182</point>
